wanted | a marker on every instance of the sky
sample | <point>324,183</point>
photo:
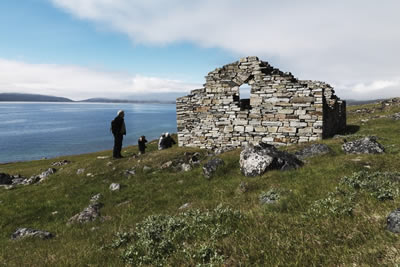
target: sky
<point>162,49</point>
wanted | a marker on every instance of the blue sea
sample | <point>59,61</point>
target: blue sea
<point>30,131</point>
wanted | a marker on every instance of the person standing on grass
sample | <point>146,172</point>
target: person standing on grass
<point>169,141</point>
<point>161,142</point>
<point>142,144</point>
<point>118,130</point>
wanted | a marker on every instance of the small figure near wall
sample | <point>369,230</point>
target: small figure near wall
<point>142,144</point>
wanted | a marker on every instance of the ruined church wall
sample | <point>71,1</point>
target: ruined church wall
<point>283,109</point>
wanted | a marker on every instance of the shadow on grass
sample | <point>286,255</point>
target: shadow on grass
<point>351,129</point>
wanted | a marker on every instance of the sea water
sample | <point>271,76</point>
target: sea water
<point>30,131</point>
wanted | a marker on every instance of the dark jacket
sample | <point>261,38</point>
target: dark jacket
<point>142,143</point>
<point>169,141</point>
<point>118,126</point>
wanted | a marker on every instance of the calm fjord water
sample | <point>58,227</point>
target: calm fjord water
<point>31,131</point>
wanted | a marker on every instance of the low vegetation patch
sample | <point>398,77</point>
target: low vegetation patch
<point>191,235</point>
<point>342,201</point>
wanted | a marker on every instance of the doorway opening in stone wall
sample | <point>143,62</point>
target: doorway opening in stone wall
<point>244,96</point>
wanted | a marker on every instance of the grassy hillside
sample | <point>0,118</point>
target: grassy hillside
<point>321,218</point>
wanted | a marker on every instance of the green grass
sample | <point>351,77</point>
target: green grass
<point>281,234</point>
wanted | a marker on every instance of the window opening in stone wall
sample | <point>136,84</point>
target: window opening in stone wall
<point>244,96</point>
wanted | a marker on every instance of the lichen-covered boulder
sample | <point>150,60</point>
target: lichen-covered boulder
<point>393,221</point>
<point>90,213</point>
<point>5,178</point>
<point>257,159</point>
<point>28,232</point>
<point>367,145</point>
<point>211,167</point>
<point>312,150</point>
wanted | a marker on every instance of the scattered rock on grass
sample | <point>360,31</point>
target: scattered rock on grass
<point>396,116</point>
<point>28,232</point>
<point>166,165</point>
<point>146,169</point>
<point>185,206</point>
<point>243,187</point>
<point>393,221</point>
<point>80,171</point>
<point>186,167</point>
<point>211,167</point>
<point>14,180</point>
<point>367,145</point>
<point>270,197</point>
<point>256,160</point>
<point>115,187</point>
<point>312,150</point>
<point>130,172</point>
<point>44,175</point>
<point>61,163</point>
<point>90,213</point>
<point>195,159</point>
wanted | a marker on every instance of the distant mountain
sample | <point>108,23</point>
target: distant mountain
<point>353,102</point>
<point>108,100</point>
<point>32,98</point>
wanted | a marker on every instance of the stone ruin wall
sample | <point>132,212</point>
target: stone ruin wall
<point>283,110</point>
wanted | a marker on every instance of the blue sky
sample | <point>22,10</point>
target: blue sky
<point>161,49</point>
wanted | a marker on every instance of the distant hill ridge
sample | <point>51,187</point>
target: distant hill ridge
<point>32,98</point>
<point>14,97</point>
<point>47,98</point>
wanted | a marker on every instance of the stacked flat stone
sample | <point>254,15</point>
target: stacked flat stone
<point>283,110</point>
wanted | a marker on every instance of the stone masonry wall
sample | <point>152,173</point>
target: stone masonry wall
<point>282,110</point>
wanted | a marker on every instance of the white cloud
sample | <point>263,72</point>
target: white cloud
<point>80,83</point>
<point>340,42</point>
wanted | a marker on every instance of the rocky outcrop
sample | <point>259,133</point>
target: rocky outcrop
<point>184,163</point>
<point>367,145</point>
<point>28,232</point>
<point>393,221</point>
<point>312,150</point>
<point>90,213</point>
<point>256,160</point>
<point>13,180</point>
<point>211,167</point>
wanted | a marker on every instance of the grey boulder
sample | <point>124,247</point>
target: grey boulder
<point>257,159</point>
<point>367,145</point>
<point>28,232</point>
<point>211,167</point>
<point>393,221</point>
